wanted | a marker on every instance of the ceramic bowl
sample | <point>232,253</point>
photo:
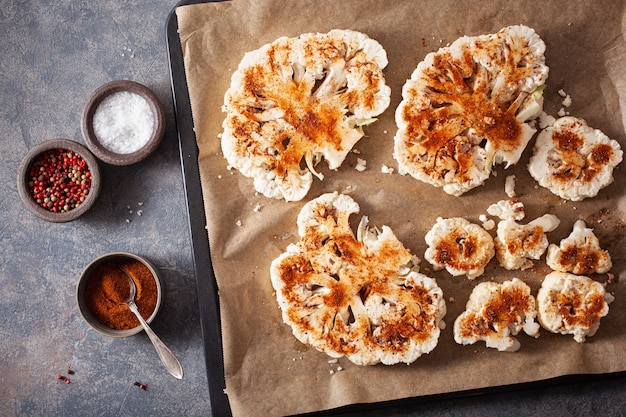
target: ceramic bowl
<point>83,292</point>
<point>24,180</point>
<point>119,128</point>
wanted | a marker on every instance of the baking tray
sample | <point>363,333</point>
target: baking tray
<point>206,285</point>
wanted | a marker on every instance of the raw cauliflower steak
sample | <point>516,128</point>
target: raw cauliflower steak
<point>572,304</point>
<point>495,313</point>
<point>579,253</point>
<point>298,100</point>
<point>468,107</point>
<point>359,297</point>
<point>459,246</point>
<point>573,160</point>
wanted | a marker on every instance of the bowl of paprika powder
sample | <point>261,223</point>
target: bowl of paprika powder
<point>103,290</point>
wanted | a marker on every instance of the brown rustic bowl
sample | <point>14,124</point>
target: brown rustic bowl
<point>82,285</point>
<point>92,140</point>
<point>22,180</point>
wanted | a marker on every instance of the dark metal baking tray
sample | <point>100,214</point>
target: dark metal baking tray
<point>208,299</point>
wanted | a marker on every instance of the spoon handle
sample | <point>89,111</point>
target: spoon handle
<point>167,357</point>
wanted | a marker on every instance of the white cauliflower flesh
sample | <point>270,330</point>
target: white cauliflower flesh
<point>516,244</point>
<point>507,209</point>
<point>297,100</point>
<point>573,160</point>
<point>495,313</point>
<point>459,246</point>
<point>469,106</point>
<point>572,304</point>
<point>580,253</point>
<point>361,297</point>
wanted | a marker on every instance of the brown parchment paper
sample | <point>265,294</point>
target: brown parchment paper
<point>268,372</point>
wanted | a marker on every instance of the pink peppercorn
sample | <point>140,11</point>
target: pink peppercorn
<point>59,180</point>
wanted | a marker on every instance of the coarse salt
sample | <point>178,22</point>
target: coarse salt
<point>123,122</point>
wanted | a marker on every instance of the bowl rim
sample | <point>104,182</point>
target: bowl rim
<point>84,309</point>
<point>33,154</point>
<point>92,104</point>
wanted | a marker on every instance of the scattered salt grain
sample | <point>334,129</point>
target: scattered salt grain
<point>360,164</point>
<point>561,112</point>
<point>123,122</point>
<point>238,223</point>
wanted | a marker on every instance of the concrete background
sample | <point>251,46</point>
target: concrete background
<point>53,54</point>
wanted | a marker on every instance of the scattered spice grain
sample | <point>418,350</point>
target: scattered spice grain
<point>108,289</point>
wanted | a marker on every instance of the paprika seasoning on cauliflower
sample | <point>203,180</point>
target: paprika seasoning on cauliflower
<point>298,100</point>
<point>572,304</point>
<point>360,297</point>
<point>459,246</point>
<point>469,106</point>
<point>579,253</point>
<point>573,160</point>
<point>495,313</point>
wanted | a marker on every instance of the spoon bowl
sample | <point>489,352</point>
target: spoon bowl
<point>170,361</point>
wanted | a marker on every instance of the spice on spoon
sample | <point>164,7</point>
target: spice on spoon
<point>107,291</point>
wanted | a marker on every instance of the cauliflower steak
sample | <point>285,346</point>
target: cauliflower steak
<point>573,160</point>
<point>459,246</point>
<point>572,304</point>
<point>468,107</point>
<point>297,100</point>
<point>580,253</point>
<point>495,313</point>
<point>359,297</point>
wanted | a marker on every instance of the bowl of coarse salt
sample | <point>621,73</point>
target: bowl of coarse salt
<point>123,122</point>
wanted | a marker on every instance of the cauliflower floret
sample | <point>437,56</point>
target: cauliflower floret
<point>495,313</point>
<point>572,304</point>
<point>579,253</point>
<point>573,160</point>
<point>507,209</point>
<point>361,298</point>
<point>459,246</point>
<point>517,244</point>
<point>469,106</point>
<point>301,99</point>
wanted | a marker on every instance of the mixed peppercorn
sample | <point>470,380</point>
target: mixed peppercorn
<point>59,180</point>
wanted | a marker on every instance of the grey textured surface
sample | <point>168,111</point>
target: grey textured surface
<point>53,55</point>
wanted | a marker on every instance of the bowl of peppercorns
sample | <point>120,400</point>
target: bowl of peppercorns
<point>58,180</point>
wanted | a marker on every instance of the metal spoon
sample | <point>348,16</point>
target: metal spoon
<point>167,357</point>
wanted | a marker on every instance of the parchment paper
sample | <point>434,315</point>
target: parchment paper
<point>268,372</point>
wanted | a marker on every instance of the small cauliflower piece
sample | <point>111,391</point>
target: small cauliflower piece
<point>469,106</point>
<point>459,246</point>
<point>507,209</point>
<point>573,160</point>
<point>580,253</point>
<point>300,100</point>
<point>517,244</point>
<point>495,313</point>
<point>572,304</point>
<point>362,298</point>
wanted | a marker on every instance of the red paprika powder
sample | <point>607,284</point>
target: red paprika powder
<point>108,289</point>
